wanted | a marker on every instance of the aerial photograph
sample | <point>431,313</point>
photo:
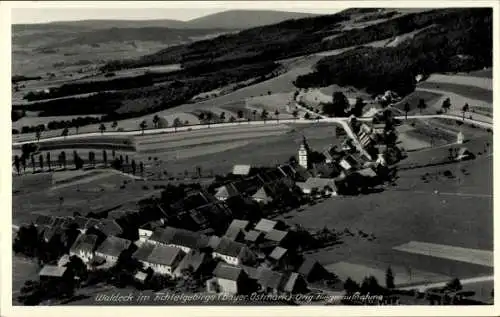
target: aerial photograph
<point>228,156</point>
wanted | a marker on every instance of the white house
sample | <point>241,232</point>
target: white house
<point>164,259</point>
<point>84,247</point>
<point>234,253</point>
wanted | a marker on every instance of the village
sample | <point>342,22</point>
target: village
<point>221,238</point>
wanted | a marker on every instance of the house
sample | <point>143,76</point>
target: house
<point>142,253</point>
<point>43,220</point>
<point>142,277</point>
<point>279,237</point>
<point>378,128</point>
<point>84,247</point>
<point>194,261</point>
<point>234,233</point>
<point>164,259</point>
<point>254,237</point>
<point>242,224</point>
<point>184,239</point>
<point>53,272</point>
<point>266,225</point>
<point>109,227</point>
<point>81,223</point>
<point>279,257</point>
<point>213,242</point>
<point>312,184</point>
<point>287,170</point>
<point>228,279</point>
<point>112,248</point>
<point>294,283</point>
<point>146,230</point>
<point>232,252</point>
<point>243,170</point>
<point>263,195</point>
<point>63,260</point>
<point>227,191</point>
<point>311,270</point>
<point>367,172</point>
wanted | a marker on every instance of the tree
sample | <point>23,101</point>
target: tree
<point>350,286</point>
<point>222,116</point>
<point>277,114</point>
<point>156,120</point>
<point>389,278</point>
<point>240,114</point>
<point>446,105</point>
<point>264,114</point>
<point>307,116</point>
<point>65,132</point>
<point>63,159</point>
<point>48,161</point>
<point>114,125</point>
<point>17,164</point>
<point>357,110</point>
<point>254,113</point>
<point>102,128</point>
<point>23,163</point>
<point>77,126</point>
<point>232,119</point>
<point>177,123</point>
<point>105,158</point>
<point>143,125</point>
<point>38,134</point>
<point>40,159</point>
<point>370,285</point>
<point>454,285</point>
<point>465,109</point>
<point>33,162</point>
<point>209,118</point>
<point>134,167</point>
<point>421,105</point>
<point>406,109</point>
<point>295,114</point>
<point>338,107</point>
<point>141,167</point>
<point>113,153</point>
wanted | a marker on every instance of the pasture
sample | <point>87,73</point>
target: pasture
<point>460,214</point>
<point>471,92</point>
<point>469,80</point>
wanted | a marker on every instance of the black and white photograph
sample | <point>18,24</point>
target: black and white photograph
<point>228,155</point>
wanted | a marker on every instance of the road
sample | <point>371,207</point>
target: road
<point>342,121</point>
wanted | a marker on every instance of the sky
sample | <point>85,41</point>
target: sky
<point>41,12</point>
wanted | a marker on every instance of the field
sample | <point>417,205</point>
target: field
<point>458,215</point>
<point>484,73</point>
<point>472,92</point>
<point>22,270</point>
<point>413,99</point>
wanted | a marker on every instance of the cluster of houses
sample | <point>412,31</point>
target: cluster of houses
<point>263,255</point>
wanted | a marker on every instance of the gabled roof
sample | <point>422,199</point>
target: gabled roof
<point>242,224</point>
<point>143,252</point>
<point>229,247</point>
<point>53,271</point>
<point>226,191</point>
<point>265,225</point>
<point>58,221</point>
<point>290,282</point>
<point>163,235</point>
<point>113,246</point>
<point>367,172</point>
<point>213,242</point>
<point>251,271</point>
<point>51,232</point>
<point>233,233</point>
<point>269,278</point>
<point>152,225</point>
<point>164,255</point>
<point>92,223</point>
<point>307,266</point>
<point>276,235</point>
<point>44,220</point>
<point>263,194</point>
<point>180,237</point>
<point>81,222</point>
<point>320,183</point>
<point>278,253</point>
<point>68,221</point>
<point>84,243</point>
<point>228,272</point>
<point>241,169</point>
<point>109,227</point>
<point>287,170</point>
<point>253,235</point>
<point>192,259</point>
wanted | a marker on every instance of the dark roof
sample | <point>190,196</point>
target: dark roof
<point>113,246</point>
<point>109,227</point>
<point>251,271</point>
<point>229,247</point>
<point>68,221</point>
<point>253,235</point>
<point>228,272</point>
<point>193,259</point>
<point>181,237</point>
<point>44,220</point>
<point>92,223</point>
<point>163,235</point>
<point>50,232</point>
<point>164,255</point>
<point>307,266</point>
<point>287,170</point>
<point>152,225</point>
<point>81,222</point>
<point>142,253</point>
<point>58,221</point>
<point>85,243</point>
<point>269,278</point>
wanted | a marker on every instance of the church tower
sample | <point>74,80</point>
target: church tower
<point>304,153</point>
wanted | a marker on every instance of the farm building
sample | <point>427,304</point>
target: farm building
<point>84,247</point>
<point>233,252</point>
<point>164,259</point>
<point>112,248</point>
<point>318,184</point>
<point>228,279</point>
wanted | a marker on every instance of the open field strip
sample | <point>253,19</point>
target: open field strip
<point>466,281</point>
<point>198,150</point>
<point>480,82</point>
<point>482,95</point>
<point>474,256</point>
<point>85,180</point>
<point>402,275</point>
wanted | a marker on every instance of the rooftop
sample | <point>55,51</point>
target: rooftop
<point>52,270</point>
<point>113,246</point>
<point>278,253</point>
<point>265,225</point>
<point>164,255</point>
<point>228,272</point>
<point>229,247</point>
<point>84,243</point>
<point>276,235</point>
<point>241,169</point>
<point>253,235</point>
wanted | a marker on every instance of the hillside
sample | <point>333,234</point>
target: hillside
<point>243,19</point>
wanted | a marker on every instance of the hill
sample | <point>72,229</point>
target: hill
<point>243,19</point>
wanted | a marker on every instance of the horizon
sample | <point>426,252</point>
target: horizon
<point>43,15</point>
